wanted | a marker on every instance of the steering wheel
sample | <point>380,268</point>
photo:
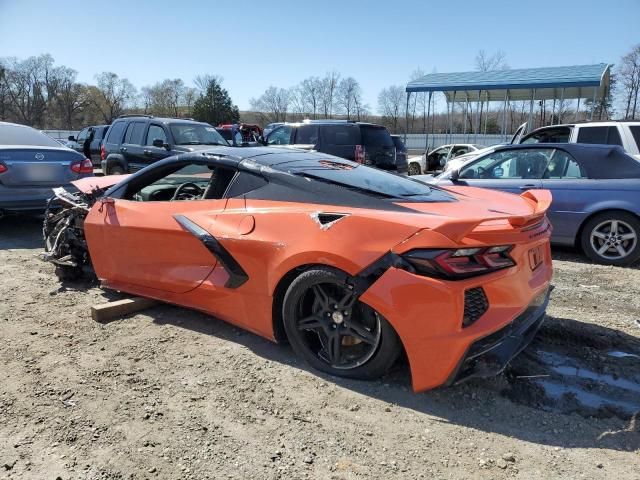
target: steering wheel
<point>181,194</point>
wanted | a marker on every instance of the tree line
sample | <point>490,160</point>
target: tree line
<point>37,92</point>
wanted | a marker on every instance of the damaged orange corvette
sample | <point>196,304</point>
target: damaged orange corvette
<point>349,264</point>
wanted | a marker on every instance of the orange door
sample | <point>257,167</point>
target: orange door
<point>141,243</point>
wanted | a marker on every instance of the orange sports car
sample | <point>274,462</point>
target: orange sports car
<point>349,264</point>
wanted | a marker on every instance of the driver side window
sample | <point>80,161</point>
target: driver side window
<point>509,164</point>
<point>280,136</point>
<point>182,182</point>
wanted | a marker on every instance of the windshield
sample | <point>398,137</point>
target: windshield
<point>196,134</point>
<point>20,135</point>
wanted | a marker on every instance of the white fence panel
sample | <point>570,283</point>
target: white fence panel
<point>417,141</point>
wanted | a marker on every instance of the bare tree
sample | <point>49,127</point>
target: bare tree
<point>202,81</point>
<point>71,97</point>
<point>348,96</point>
<point>114,93</point>
<point>629,78</point>
<point>190,96</point>
<point>296,102</point>
<point>329,86</point>
<point>486,63</point>
<point>391,105</point>
<point>273,103</point>
<point>29,86</point>
<point>311,93</point>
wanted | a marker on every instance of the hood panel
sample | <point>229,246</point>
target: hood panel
<point>89,184</point>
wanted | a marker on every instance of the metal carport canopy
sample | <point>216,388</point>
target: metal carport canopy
<point>577,81</point>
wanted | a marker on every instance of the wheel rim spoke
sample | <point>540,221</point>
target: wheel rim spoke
<point>614,227</point>
<point>603,248</point>
<point>361,333</point>
<point>334,349</point>
<point>621,251</point>
<point>628,236</point>
<point>601,235</point>
<point>321,296</point>
<point>347,301</point>
<point>312,322</point>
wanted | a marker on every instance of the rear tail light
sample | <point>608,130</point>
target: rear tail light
<point>459,263</point>
<point>84,166</point>
<point>3,168</point>
<point>360,154</point>
<point>103,153</point>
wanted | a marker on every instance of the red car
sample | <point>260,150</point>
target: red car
<point>350,264</point>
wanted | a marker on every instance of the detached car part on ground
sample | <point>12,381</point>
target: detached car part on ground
<point>348,263</point>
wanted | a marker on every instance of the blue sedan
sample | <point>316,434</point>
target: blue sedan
<point>595,188</point>
<point>31,164</point>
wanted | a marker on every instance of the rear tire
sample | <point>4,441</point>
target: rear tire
<point>116,170</point>
<point>333,331</point>
<point>612,238</point>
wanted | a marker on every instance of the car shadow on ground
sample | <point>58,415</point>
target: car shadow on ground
<point>20,231</point>
<point>480,404</point>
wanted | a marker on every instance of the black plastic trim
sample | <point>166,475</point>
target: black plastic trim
<point>237,276</point>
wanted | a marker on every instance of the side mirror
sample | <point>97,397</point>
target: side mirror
<point>158,142</point>
<point>71,138</point>
<point>454,176</point>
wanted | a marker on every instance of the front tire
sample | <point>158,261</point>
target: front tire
<point>414,169</point>
<point>333,331</point>
<point>116,170</point>
<point>612,238</point>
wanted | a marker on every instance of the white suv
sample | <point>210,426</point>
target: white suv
<point>623,133</point>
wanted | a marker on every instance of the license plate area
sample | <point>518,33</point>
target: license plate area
<point>536,257</point>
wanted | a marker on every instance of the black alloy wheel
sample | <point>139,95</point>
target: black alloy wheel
<point>336,333</point>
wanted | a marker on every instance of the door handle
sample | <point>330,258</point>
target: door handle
<point>529,186</point>
<point>147,152</point>
<point>123,149</point>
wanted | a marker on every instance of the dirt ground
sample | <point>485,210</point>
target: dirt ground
<point>171,393</point>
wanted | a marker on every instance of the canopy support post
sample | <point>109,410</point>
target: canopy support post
<point>453,105</point>
<point>426,139</point>
<point>406,119</point>
<point>533,97</point>
<point>593,103</point>
<point>477,122</point>
<point>504,114</point>
<point>575,117</point>
<point>560,106</point>
<point>466,116</point>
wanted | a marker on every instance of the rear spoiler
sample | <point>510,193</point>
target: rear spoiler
<point>540,200</point>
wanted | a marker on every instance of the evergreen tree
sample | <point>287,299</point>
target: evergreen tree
<point>215,106</point>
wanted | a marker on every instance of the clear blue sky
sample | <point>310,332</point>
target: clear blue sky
<point>253,45</point>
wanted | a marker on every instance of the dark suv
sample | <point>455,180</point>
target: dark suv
<point>94,134</point>
<point>364,143</point>
<point>133,142</point>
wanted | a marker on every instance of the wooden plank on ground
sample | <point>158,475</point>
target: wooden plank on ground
<point>120,308</point>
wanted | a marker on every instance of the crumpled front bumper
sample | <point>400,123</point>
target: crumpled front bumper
<point>490,355</point>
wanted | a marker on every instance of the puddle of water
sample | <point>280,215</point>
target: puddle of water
<point>556,390</point>
<point>561,365</point>
<point>618,354</point>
